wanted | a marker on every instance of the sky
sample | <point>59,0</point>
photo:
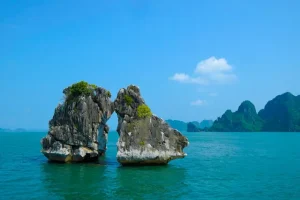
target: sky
<point>192,60</point>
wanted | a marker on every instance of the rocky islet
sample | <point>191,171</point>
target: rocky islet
<point>143,137</point>
<point>78,131</point>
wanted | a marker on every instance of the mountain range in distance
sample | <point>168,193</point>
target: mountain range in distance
<point>193,126</point>
<point>281,114</point>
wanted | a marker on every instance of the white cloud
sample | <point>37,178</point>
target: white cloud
<point>184,78</point>
<point>180,77</point>
<point>198,103</point>
<point>209,71</point>
<point>213,94</point>
<point>213,65</point>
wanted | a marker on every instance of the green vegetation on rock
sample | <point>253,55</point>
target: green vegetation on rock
<point>93,86</point>
<point>245,119</point>
<point>282,114</point>
<point>108,94</point>
<point>79,89</point>
<point>128,99</point>
<point>142,143</point>
<point>130,126</point>
<point>143,111</point>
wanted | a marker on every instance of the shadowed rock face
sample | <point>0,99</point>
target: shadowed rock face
<point>144,140</point>
<point>78,130</point>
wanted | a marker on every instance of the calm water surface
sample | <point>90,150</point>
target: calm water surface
<point>218,166</point>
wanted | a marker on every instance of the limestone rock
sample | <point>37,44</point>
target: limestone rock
<point>78,130</point>
<point>143,137</point>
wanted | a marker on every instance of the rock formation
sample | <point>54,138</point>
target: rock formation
<point>245,119</point>
<point>191,127</point>
<point>78,130</point>
<point>282,114</point>
<point>143,137</point>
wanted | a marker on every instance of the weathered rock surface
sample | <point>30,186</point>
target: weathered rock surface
<point>144,138</point>
<point>78,130</point>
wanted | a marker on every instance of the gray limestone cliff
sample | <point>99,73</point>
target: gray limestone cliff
<point>143,137</point>
<point>78,130</point>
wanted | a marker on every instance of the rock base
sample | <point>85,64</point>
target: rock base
<point>59,152</point>
<point>146,157</point>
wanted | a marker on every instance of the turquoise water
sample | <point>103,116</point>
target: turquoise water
<point>218,166</point>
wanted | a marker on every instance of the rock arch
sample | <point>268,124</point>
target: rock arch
<point>78,130</point>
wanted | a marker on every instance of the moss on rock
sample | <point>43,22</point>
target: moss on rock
<point>128,99</point>
<point>143,111</point>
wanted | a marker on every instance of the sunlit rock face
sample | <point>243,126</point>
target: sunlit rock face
<point>144,138</point>
<point>78,130</point>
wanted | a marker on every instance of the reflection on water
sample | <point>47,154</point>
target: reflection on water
<point>94,181</point>
<point>106,179</point>
<point>150,182</point>
<point>66,181</point>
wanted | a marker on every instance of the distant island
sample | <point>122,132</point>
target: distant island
<point>281,114</point>
<point>193,126</point>
<point>12,130</point>
<point>21,130</point>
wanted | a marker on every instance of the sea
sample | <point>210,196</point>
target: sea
<point>218,166</point>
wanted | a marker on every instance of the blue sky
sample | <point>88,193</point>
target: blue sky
<point>191,59</point>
